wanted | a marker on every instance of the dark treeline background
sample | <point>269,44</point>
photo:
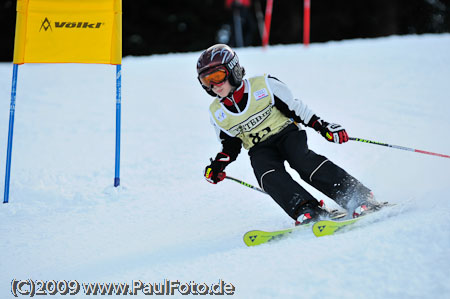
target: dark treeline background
<point>163,26</point>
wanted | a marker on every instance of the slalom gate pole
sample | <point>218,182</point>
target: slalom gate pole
<point>246,184</point>
<point>118,114</point>
<point>268,19</point>
<point>399,147</point>
<point>306,21</point>
<point>12,110</point>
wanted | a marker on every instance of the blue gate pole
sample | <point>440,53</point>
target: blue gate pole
<point>118,112</point>
<point>12,111</point>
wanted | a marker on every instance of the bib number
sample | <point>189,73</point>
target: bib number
<point>257,137</point>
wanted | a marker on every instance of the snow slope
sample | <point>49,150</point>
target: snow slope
<point>66,221</point>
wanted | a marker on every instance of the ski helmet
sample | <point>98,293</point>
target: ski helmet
<point>220,55</point>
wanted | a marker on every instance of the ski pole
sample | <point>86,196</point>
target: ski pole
<point>398,147</point>
<point>245,184</point>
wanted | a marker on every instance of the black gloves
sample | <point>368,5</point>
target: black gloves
<point>332,132</point>
<point>214,172</point>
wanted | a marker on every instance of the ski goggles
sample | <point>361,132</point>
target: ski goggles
<point>215,76</point>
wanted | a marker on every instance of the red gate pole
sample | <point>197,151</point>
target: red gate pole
<point>306,21</point>
<point>268,18</point>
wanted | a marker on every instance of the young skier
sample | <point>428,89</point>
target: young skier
<point>261,114</point>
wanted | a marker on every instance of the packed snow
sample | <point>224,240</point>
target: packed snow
<point>66,221</point>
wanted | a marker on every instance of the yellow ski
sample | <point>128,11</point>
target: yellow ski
<point>329,227</point>
<point>258,237</point>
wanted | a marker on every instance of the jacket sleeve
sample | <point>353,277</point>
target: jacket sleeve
<point>231,146</point>
<point>290,106</point>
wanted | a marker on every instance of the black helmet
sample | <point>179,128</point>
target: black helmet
<point>220,55</point>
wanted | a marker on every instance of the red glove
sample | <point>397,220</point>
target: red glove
<point>214,172</point>
<point>332,132</point>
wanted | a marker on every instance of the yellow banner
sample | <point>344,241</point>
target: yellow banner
<point>68,31</point>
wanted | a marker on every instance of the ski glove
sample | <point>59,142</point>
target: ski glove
<point>214,172</point>
<point>332,132</point>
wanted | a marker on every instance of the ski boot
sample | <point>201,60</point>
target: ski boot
<point>367,206</point>
<point>311,211</point>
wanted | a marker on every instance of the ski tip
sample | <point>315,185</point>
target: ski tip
<point>255,237</point>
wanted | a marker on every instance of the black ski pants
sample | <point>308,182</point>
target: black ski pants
<point>267,159</point>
